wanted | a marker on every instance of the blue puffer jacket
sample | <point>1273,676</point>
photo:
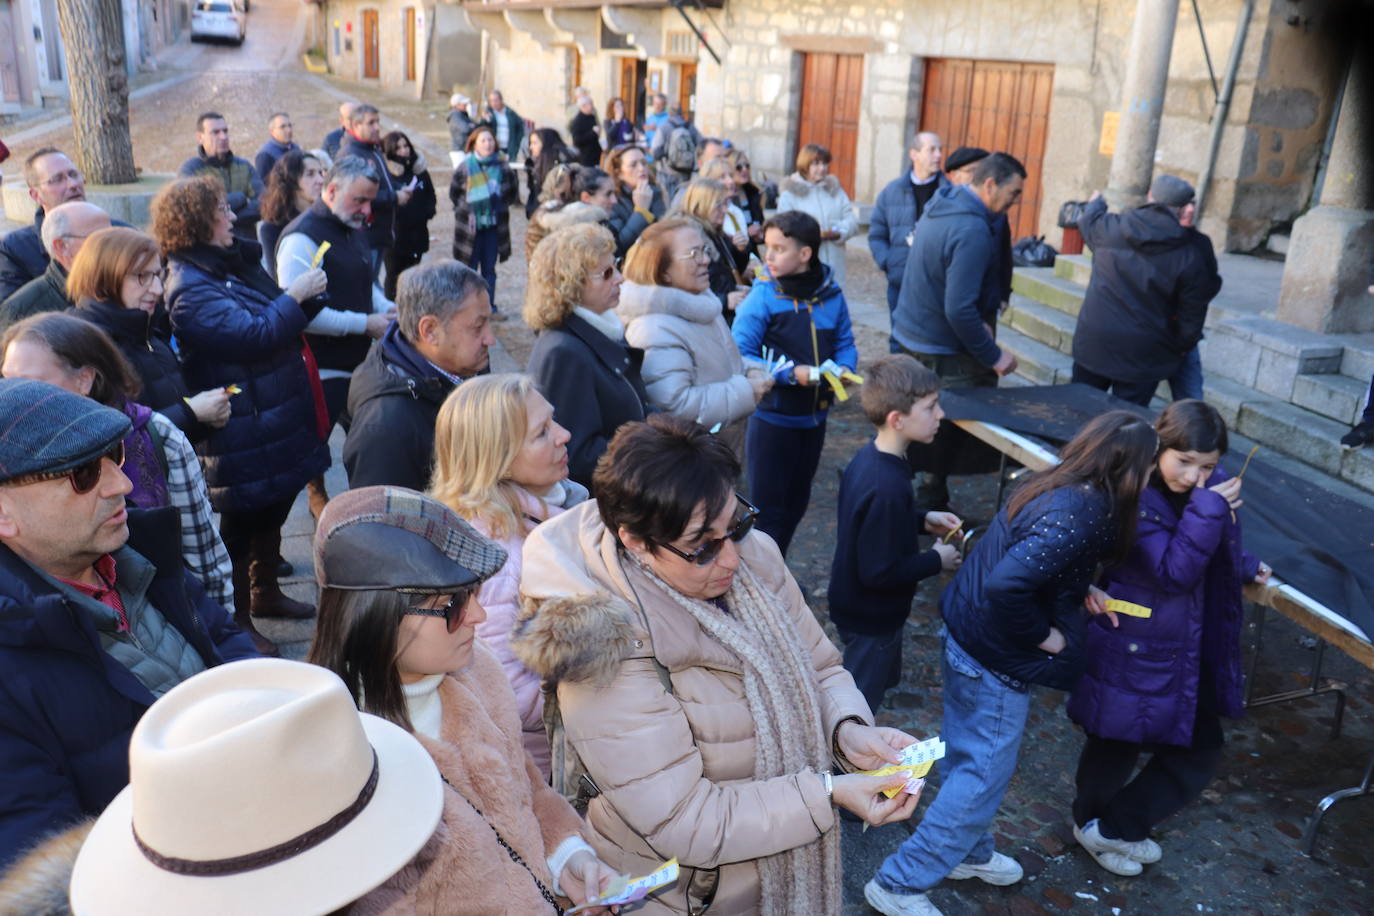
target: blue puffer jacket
<point>1027,575</point>
<point>233,333</point>
<point>894,216</point>
<point>67,707</point>
<point>1142,679</point>
<point>808,332</point>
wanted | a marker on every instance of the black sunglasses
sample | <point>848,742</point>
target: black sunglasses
<point>452,612</point>
<point>83,477</point>
<point>745,515</point>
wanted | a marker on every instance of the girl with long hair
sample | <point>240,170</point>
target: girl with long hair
<point>501,462</point>
<point>294,183</point>
<point>546,150</point>
<point>1015,617</point>
<point>1159,686</point>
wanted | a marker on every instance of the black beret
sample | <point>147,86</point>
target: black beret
<point>964,155</point>
<point>45,428</point>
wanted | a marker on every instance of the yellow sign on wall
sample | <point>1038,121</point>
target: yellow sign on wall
<point>1106,143</point>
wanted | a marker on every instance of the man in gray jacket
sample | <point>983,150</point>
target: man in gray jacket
<point>899,207</point>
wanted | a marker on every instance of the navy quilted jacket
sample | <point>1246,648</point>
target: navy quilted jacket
<point>1027,575</point>
<point>232,333</point>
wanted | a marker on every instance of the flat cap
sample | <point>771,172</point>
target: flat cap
<point>395,539</point>
<point>44,428</point>
<point>1171,191</point>
<point>964,155</point>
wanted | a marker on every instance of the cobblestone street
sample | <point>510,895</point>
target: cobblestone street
<point>1235,851</point>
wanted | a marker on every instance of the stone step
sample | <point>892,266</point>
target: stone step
<point>1268,355</point>
<point>1076,268</point>
<point>1037,363</point>
<point>1337,397</point>
<point>1041,284</point>
<point>1040,322</point>
<point>1294,431</point>
<point>1358,359</point>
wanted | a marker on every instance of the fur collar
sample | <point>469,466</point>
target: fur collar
<point>571,214</point>
<point>38,882</point>
<point>799,186</point>
<point>637,301</point>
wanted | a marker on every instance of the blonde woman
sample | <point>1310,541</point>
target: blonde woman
<point>501,462</point>
<point>692,367</point>
<point>736,222</point>
<point>705,202</point>
<point>580,361</point>
<point>815,192</point>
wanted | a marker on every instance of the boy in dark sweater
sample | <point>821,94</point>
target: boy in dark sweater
<point>878,561</point>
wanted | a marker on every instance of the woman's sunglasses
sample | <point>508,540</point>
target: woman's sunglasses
<point>83,477</point>
<point>452,612</point>
<point>705,555</point>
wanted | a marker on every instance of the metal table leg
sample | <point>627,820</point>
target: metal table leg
<point>1314,687</point>
<point>1309,835</point>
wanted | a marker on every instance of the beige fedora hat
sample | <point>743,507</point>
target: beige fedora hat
<point>257,787</point>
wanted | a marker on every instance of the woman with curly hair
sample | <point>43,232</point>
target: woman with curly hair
<point>580,361</point>
<point>239,331</point>
<point>294,183</point>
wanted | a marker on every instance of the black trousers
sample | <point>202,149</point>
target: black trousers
<point>782,463</point>
<point>1135,392</point>
<point>1174,776</point>
<point>875,662</point>
<point>953,451</point>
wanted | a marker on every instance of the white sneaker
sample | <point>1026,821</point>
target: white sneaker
<point>893,904</point>
<point>999,870</point>
<point>1146,851</point>
<point>1107,853</point>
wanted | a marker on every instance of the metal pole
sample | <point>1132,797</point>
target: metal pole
<point>1223,108</point>
<point>1142,102</point>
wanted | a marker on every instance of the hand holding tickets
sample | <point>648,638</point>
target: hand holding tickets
<point>1130,610</point>
<point>233,389</point>
<point>917,760</point>
<point>624,890</point>
<point>835,375</point>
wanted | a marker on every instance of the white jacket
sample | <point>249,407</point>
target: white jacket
<point>831,207</point>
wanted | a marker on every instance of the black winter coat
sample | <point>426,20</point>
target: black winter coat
<point>22,257</point>
<point>412,220</point>
<point>393,401</point>
<point>627,225</point>
<point>594,386</point>
<point>67,708</point>
<point>233,333</point>
<point>45,293</point>
<point>1147,300</point>
<point>582,128</point>
<point>145,341</point>
<point>1027,575</point>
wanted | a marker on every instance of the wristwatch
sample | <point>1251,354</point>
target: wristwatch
<point>829,784</point>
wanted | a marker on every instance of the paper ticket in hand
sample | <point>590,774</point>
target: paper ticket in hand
<point>624,890</point>
<point>916,761</point>
<point>1130,610</point>
<point>319,255</point>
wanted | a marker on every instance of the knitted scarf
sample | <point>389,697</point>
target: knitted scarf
<point>141,463</point>
<point>784,703</point>
<point>484,189</point>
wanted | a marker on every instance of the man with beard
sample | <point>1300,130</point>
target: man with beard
<point>364,140</point>
<point>242,184</point>
<point>357,311</point>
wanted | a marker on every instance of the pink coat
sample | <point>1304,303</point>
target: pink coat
<point>500,597</point>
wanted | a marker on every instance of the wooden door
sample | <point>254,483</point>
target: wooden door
<point>999,106</point>
<point>687,89</point>
<point>633,73</point>
<point>371,46</point>
<point>408,36</point>
<point>832,95</point>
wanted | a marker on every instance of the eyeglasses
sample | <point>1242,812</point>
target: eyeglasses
<point>706,254</point>
<point>83,477</point>
<point>741,166</point>
<point>606,275</point>
<point>66,177</point>
<point>145,278</point>
<point>452,612</point>
<point>745,515</point>
<point>226,209</point>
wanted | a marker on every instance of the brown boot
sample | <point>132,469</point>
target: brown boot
<point>317,496</point>
<point>242,599</point>
<point>268,599</point>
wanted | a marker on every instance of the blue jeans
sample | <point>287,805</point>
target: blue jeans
<point>984,719</point>
<point>485,247</point>
<point>1187,381</point>
<point>894,290</point>
<point>875,662</point>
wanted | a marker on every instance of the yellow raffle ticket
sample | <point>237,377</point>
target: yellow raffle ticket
<point>1130,610</point>
<point>837,383</point>
<point>623,890</point>
<point>319,255</point>
<point>917,760</point>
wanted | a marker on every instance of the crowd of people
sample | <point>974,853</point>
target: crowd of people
<point>556,638</point>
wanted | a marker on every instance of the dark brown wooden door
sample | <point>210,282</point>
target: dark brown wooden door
<point>832,94</point>
<point>687,89</point>
<point>371,69</point>
<point>408,35</point>
<point>633,73</point>
<point>999,106</point>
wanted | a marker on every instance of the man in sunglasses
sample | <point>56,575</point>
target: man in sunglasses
<point>96,622</point>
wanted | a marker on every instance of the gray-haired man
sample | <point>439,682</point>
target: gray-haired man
<point>441,336</point>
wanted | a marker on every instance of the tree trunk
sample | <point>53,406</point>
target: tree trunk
<point>93,33</point>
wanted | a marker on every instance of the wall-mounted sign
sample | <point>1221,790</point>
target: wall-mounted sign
<point>1106,142</point>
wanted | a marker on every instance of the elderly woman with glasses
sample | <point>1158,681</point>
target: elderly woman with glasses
<point>116,283</point>
<point>580,362</point>
<point>240,332</point>
<point>712,717</point>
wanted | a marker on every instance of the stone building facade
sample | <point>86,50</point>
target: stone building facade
<point>1059,62</point>
<point>427,48</point>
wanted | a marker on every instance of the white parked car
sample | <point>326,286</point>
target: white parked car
<point>223,19</point>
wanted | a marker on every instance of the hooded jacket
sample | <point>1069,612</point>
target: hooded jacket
<point>67,707</point>
<point>692,367</point>
<point>1143,678</point>
<point>393,400</point>
<point>1147,300</point>
<point>675,769</point>
<point>145,341</point>
<point>831,207</point>
<point>1025,576</point>
<point>951,277</point>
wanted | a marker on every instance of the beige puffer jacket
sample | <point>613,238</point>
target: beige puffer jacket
<point>676,771</point>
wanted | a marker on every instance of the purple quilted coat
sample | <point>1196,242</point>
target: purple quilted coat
<point>1142,679</point>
